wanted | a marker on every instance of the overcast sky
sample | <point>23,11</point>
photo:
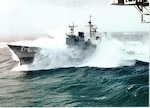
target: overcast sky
<point>41,16</point>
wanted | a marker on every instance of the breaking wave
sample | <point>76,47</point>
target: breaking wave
<point>110,52</point>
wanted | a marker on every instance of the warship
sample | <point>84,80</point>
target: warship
<point>26,53</point>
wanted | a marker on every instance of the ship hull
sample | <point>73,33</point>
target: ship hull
<point>25,54</point>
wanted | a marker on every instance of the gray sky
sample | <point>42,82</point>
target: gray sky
<point>41,16</point>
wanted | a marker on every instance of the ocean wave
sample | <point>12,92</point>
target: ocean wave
<point>94,86</point>
<point>110,52</point>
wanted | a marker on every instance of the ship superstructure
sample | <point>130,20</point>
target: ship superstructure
<point>79,40</point>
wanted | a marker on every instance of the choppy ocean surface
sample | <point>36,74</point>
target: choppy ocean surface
<point>119,77</point>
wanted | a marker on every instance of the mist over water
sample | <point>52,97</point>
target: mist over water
<point>110,52</point>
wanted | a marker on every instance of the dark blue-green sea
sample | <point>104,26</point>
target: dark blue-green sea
<point>115,75</point>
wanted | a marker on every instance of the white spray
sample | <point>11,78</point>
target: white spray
<point>110,52</point>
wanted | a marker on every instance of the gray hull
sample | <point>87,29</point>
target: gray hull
<point>24,53</point>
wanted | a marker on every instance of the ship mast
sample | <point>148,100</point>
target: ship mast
<point>90,25</point>
<point>92,28</point>
<point>72,28</point>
